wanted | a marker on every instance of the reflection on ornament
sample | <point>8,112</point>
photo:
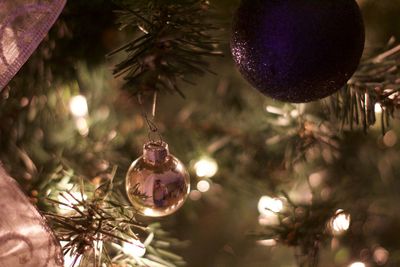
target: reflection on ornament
<point>206,167</point>
<point>79,109</point>
<point>157,183</point>
<point>340,222</point>
<point>134,248</point>
<point>357,264</point>
<point>78,106</point>
<point>203,186</point>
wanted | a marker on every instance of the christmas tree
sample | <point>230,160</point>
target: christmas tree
<point>271,183</point>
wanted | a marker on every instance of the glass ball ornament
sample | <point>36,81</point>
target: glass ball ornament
<point>157,183</point>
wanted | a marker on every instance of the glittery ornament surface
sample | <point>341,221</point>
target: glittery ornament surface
<point>157,183</point>
<point>298,50</point>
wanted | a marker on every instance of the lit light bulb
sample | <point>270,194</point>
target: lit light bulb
<point>378,108</point>
<point>206,167</point>
<point>82,126</point>
<point>78,106</point>
<point>267,242</point>
<point>340,222</point>
<point>357,264</point>
<point>134,248</point>
<point>195,195</point>
<point>203,186</point>
<point>381,256</point>
<point>266,205</point>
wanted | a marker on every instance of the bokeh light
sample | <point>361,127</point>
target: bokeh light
<point>266,205</point>
<point>206,167</point>
<point>78,106</point>
<point>340,222</point>
<point>203,186</point>
<point>267,242</point>
<point>378,108</point>
<point>357,264</point>
<point>381,256</point>
<point>134,248</point>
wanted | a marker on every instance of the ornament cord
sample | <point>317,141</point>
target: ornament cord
<point>152,126</point>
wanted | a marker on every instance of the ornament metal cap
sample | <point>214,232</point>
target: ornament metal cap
<point>155,152</point>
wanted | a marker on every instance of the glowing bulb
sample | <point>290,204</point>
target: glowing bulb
<point>206,167</point>
<point>268,205</point>
<point>341,222</point>
<point>195,195</point>
<point>203,186</point>
<point>134,248</point>
<point>357,264</point>
<point>78,106</point>
<point>267,242</point>
<point>381,256</point>
<point>82,126</point>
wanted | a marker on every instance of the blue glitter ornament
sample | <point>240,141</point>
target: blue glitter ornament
<point>298,50</point>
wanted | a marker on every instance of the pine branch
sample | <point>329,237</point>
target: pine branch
<point>96,228</point>
<point>172,41</point>
<point>376,83</point>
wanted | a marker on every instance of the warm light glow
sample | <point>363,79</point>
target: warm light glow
<point>69,199</point>
<point>390,138</point>
<point>82,126</point>
<point>148,212</point>
<point>78,106</point>
<point>203,186</point>
<point>266,205</point>
<point>206,167</point>
<point>378,108</point>
<point>341,222</point>
<point>267,242</point>
<point>195,195</point>
<point>357,264</point>
<point>381,256</point>
<point>134,248</point>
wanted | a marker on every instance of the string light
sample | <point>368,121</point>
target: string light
<point>79,109</point>
<point>78,106</point>
<point>268,205</point>
<point>340,222</point>
<point>381,256</point>
<point>267,242</point>
<point>378,108</point>
<point>206,167</point>
<point>82,126</point>
<point>357,264</point>
<point>134,248</point>
<point>203,186</point>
